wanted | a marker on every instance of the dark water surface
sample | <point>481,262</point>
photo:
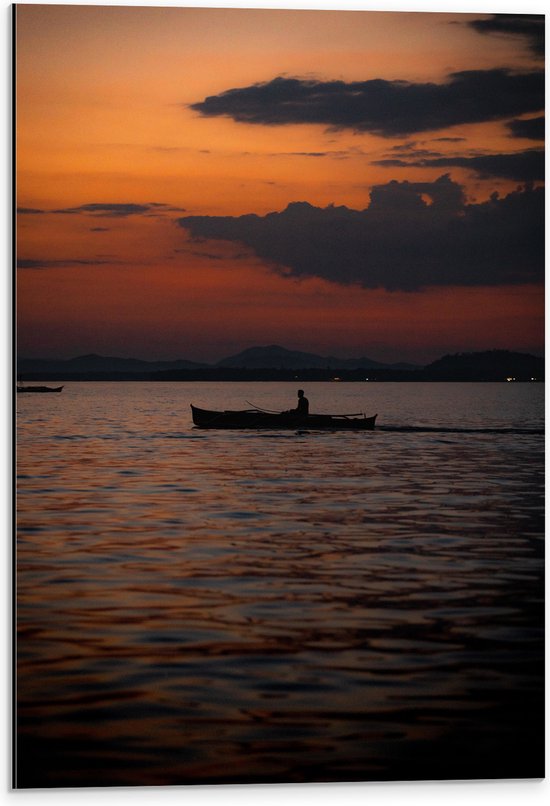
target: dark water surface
<point>229,607</point>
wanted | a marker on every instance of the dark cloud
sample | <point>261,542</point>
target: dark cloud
<point>101,210</point>
<point>529,26</point>
<point>210,255</point>
<point>205,255</point>
<point>387,108</point>
<point>524,166</point>
<point>410,145</point>
<point>412,235</point>
<point>108,210</point>
<point>301,154</point>
<point>532,129</point>
<point>100,229</point>
<point>46,263</point>
<point>412,150</point>
<point>335,155</point>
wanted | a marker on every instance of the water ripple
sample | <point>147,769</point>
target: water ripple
<point>241,607</point>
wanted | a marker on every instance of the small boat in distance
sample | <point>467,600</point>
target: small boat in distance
<point>256,418</point>
<point>39,388</point>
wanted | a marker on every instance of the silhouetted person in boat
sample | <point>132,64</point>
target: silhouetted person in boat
<point>303,404</point>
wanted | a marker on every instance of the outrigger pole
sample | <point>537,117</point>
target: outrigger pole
<point>272,411</point>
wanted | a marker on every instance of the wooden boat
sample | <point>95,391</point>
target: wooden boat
<point>39,388</point>
<point>255,418</point>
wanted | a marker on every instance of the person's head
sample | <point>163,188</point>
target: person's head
<point>300,392</point>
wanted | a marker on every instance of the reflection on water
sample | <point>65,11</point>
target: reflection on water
<point>259,607</point>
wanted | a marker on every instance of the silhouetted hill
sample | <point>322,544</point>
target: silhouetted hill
<point>98,367</point>
<point>274,363</point>
<point>492,365</point>
<point>276,357</point>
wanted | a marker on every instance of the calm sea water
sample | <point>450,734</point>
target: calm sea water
<point>230,607</point>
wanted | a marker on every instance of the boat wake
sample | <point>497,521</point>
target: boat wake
<point>425,429</point>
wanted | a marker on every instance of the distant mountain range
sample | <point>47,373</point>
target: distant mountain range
<point>278,363</point>
<point>271,357</point>
<point>275,357</point>
<point>491,365</point>
<point>100,363</point>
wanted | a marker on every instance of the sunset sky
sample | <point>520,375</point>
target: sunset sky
<point>192,182</point>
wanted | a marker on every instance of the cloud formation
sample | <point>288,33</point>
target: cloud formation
<point>531,129</point>
<point>524,166</point>
<point>529,26</point>
<point>47,263</point>
<point>388,108</point>
<point>102,210</point>
<point>411,236</point>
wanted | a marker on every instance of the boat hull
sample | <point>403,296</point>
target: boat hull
<point>252,419</point>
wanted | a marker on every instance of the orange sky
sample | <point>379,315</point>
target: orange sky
<point>102,97</point>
